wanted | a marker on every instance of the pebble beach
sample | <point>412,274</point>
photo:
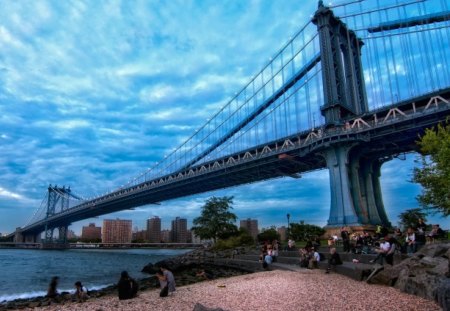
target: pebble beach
<point>271,290</point>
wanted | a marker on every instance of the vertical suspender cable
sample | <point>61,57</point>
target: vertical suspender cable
<point>308,101</point>
<point>427,52</point>
<point>376,61</point>
<point>410,51</point>
<point>386,60</point>
<point>396,78</point>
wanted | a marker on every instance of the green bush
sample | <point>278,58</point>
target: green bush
<point>243,239</point>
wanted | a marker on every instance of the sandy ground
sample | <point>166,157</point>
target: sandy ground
<point>272,290</point>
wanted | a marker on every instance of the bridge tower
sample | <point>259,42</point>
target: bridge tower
<point>354,176</point>
<point>56,195</point>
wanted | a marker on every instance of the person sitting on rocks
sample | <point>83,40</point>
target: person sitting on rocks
<point>127,286</point>
<point>435,233</point>
<point>52,292</point>
<point>334,260</point>
<point>81,294</point>
<point>275,248</point>
<point>267,261</point>
<point>382,251</point>
<point>367,243</point>
<point>304,258</point>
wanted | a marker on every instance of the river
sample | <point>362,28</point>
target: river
<point>26,273</point>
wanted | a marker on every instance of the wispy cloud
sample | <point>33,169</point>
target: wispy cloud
<point>94,93</point>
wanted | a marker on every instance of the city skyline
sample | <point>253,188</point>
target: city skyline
<point>104,93</point>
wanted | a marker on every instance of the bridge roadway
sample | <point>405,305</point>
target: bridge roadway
<point>383,133</point>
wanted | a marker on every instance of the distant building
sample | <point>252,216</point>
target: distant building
<point>116,231</point>
<point>251,225</point>
<point>154,229</point>
<point>282,231</point>
<point>140,236</point>
<point>179,232</point>
<point>91,232</point>
<point>165,236</point>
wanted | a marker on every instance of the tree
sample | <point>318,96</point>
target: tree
<point>268,234</point>
<point>304,232</point>
<point>410,218</point>
<point>434,175</point>
<point>216,221</point>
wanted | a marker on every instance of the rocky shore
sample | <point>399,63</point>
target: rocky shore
<point>184,267</point>
<point>233,288</point>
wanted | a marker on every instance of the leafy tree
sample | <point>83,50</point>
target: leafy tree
<point>216,221</point>
<point>305,232</point>
<point>268,234</point>
<point>434,175</point>
<point>410,218</point>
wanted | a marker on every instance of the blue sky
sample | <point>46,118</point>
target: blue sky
<point>92,93</point>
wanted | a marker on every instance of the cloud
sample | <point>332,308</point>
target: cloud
<point>92,94</point>
<point>7,194</point>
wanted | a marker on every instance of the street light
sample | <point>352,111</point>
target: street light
<point>288,228</point>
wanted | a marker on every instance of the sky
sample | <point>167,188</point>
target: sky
<point>92,93</point>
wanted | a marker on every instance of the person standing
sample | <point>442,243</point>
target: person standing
<point>410,241</point>
<point>345,235</point>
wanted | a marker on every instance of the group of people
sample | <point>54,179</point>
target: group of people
<point>80,295</point>
<point>127,286</point>
<point>309,257</point>
<point>269,253</point>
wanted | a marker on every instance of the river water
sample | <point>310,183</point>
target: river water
<point>27,273</point>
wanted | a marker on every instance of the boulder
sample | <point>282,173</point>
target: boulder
<point>200,307</point>
<point>443,295</point>
<point>425,274</point>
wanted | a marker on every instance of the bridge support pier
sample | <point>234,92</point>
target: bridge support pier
<point>356,199</point>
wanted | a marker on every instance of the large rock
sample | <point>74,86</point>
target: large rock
<point>200,307</point>
<point>425,274</point>
<point>443,295</point>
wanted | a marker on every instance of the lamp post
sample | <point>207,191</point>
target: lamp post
<point>288,228</point>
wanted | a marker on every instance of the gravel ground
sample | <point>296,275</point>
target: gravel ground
<point>273,290</point>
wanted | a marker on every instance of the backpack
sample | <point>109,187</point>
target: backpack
<point>164,291</point>
<point>134,287</point>
<point>322,256</point>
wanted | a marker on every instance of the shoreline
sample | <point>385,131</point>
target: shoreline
<point>184,275</point>
<point>276,290</point>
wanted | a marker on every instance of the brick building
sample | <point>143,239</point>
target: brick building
<point>116,231</point>
<point>91,233</point>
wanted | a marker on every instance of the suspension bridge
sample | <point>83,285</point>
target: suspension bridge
<point>353,88</point>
